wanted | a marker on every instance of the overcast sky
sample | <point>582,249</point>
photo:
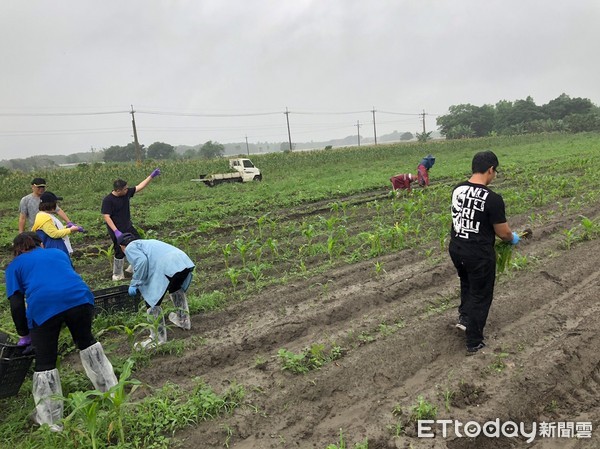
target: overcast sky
<point>202,70</point>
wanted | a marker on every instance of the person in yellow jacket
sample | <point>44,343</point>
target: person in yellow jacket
<point>49,228</point>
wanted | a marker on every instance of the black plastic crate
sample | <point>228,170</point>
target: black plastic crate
<point>116,299</point>
<point>14,366</point>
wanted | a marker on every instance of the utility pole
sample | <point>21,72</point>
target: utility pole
<point>374,126</point>
<point>358,131</point>
<point>247,148</point>
<point>423,115</point>
<point>287,117</point>
<point>138,155</point>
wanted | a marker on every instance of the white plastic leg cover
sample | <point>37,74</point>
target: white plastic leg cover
<point>48,410</point>
<point>156,338</point>
<point>118,274</point>
<point>98,368</point>
<point>157,314</point>
<point>181,317</point>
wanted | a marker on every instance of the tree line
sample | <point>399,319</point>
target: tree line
<point>563,114</point>
<point>160,150</point>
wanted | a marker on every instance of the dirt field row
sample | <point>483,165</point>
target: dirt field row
<point>398,340</point>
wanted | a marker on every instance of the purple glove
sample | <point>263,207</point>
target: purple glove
<point>80,229</point>
<point>155,173</point>
<point>70,223</point>
<point>24,341</point>
<point>118,233</point>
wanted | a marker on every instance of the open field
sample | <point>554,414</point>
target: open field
<point>330,303</point>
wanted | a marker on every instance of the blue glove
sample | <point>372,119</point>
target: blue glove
<point>516,239</point>
<point>118,233</point>
<point>24,341</point>
<point>155,173</point>
<point>132,291</point>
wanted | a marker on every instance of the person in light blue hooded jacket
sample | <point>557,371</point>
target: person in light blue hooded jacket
<point>157,268</point>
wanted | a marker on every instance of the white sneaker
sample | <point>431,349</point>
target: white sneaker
<point>129,269</point>
<point>118,277</point>
<point>184,324</point>
<point>148,343</point>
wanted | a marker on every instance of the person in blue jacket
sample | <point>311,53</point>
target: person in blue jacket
<point>46,293</point>
<point>423,170</point>
<point>157,268</point>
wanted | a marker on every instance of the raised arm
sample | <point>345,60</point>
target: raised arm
<point>146,181</point>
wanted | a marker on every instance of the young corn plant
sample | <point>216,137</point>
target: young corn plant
<point>590,229</point>
<point>423,409</point>
<point>118,397</point>
<point>84,405</point>
<point>233,274</point>
<point>226,250</point>
<point>504,252</point>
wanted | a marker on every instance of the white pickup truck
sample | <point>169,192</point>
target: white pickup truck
<point>243,170</point>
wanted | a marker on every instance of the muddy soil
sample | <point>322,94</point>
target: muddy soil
<point>397,333</point>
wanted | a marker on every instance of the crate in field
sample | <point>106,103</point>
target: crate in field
<point>116,299</point>
<point>14,367</point>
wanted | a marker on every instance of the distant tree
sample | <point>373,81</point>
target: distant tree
<point>190,153</point>
<point>524,111</point>
<point>160,150</point>
<point>4,171</point>
<point>583,122</point>
<point>424,137</point>
<point>479,119</point>
<point>211,149</point>
<point>460,132</point>
<point>127,153</point>
<point>564,105</point>
<point>72,159</point>
<point>407,136</point>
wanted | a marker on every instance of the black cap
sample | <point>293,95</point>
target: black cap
<point>49,197</point>
<point>39,182</point>
<point>126,238</point>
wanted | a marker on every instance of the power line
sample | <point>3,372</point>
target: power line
<point>197,114</point>
<point>57,114</point>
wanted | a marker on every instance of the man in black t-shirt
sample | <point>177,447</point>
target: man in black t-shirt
<point>117,215</point>
<point>478,216</point>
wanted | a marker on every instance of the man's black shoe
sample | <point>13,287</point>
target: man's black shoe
<point>473,350</point>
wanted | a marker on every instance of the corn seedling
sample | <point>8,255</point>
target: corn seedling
<point>379,270</point>
<point>590,229</point>
<point>84,405</point>
<point>233,274</point>
<point>498,364</point>
<point>243,247</point>
<point>504,252</point>
<point>423,409</point>
<point>118,396</point>
<point>226,250</point>
<point>448,395</point>
<point>396,429</point>
<point>309,359</point>
<point>340,445</point>
<point>552,406</point>
<point>570,237</point>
